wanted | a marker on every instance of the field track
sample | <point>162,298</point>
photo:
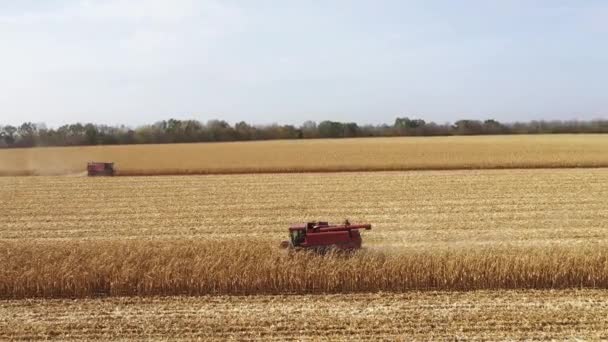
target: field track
<point>322,155</point>
<point>488,315</point>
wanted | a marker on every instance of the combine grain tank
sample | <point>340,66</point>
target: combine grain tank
<point>322,236</point>
<point>100,169</point>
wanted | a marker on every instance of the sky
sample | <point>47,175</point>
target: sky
<point>140,61</point>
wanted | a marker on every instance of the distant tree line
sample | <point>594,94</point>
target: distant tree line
<point>182,131</point>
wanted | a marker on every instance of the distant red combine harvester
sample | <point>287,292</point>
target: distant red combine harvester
<point>321,236</point>
<point>100,169</point>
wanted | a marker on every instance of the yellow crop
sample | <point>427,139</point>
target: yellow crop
<point>147,268</point>
<point>218,235</point>
<point>372,154</point>
<point>75,237</point>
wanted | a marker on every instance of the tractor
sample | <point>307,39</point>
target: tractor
<point>323,236</point>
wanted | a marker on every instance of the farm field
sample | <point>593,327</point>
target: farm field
<point>463,230</point>
<point>488,315</point>
<point>204,241</point>
<point>370,154</point>
<point>408,209</point>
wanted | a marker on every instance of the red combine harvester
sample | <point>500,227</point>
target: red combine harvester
<point>321,236</point>
<point>100,169</point>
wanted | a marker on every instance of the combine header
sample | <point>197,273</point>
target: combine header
<point>100,169</point>
<point>321,236</point>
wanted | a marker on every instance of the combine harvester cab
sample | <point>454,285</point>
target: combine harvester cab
<point>100,169</point>
<point>322,236</point>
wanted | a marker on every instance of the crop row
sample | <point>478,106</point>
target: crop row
<point>146,268</point>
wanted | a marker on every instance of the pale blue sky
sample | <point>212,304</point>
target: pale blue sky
<point>139,61</point>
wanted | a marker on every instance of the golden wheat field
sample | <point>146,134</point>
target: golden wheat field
<point>370,154</point>
<point>487,315</point>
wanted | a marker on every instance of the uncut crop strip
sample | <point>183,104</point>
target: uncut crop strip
<point>485,315</point>
<point>147,268</point>
<point>373,154</point>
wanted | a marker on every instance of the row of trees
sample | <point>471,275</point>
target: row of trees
<point>177,131</point>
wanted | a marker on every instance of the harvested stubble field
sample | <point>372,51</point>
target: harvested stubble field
<point>372,154</point>
<point>487,315</point>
